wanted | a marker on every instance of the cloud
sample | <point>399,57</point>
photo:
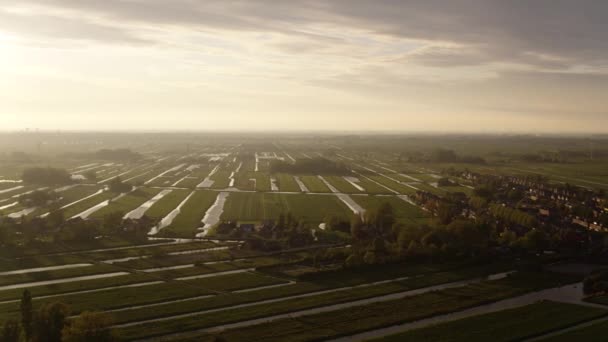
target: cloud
<point>555,33</point>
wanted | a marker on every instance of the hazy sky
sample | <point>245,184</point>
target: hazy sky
<point>428,65</point>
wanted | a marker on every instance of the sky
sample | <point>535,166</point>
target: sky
<point>333,65</point>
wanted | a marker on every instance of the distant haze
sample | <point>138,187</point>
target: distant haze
<point>341,65</point>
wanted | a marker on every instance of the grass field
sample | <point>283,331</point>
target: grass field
<point>185,224</point>
<point>351,320</point>
<point>404,212</point>
<point>128,202</point>
<point>221,179</point>
<point>55,274</point>
<point>509,325</point>
<point>262,206</point>
<point>156,293</point>
<point>166,204</point>
<point>593,333</point>
<point>342,185</point>
<point>402,189</point>
<point>314,184</point>
<point>286,182</point>
<point>88,203</point>
<point>371,187</point>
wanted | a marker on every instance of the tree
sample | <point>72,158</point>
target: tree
<point>10,331</point>
<point>112,222</point>
<point>49,322</point>
<point>27,314</point>
<point>46,176</point>
<point>116,185</point>
<point>91,176</point>
<point>56,218</point>
<point>89,327</point>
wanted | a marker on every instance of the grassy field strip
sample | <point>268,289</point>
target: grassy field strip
<point>207,182</point>
<point>308,303</point>
<point>289,156</point>
<point>213,214</point>
<point>127,202</point>
<point>507,325</point>
<point>23,212</point>
<point>178,267</point>
<point>144,306</point>
<point>301,184</point>
<point>90,211</point>
<point>11,208</point>
<point>188,174</point>
<point>593,331</point>
<point>558,176</point>
<point>366,317</point>
<point>399,173</point>
<point>86,197</point>
<point>60,281</point>
<point>314,184</point>
<point>138,212</point>
<point>264,287</point>
<point>559,294</point>
<point>26,278</point>
<point>216,274</point>
<point>77,168</point>
<point>191,214</point>
<point>286,183</point>
<point>101,250</point>
<point>313,291</point>
<point>352,205</point>
<point>17,193</point>
<point>139,257</point>
<point>11,189</point>
<point>3,207</point>
<point>140,175</point>
<point>262,302</point>
<point>175,168</point>
<point>403,209</point>
<point>345,157</point>
<point>377,183</point>
<point>168,219</point>
<point>156,294</point>
<point>408,200</point>
<point>65,188</point>
<point>331,187</point>
<point>353,181</point>
<point>63,294</point>
<point>168,203</point>
<point>84,206</point>
<point>44,269</point>
<point>388,177</point>
<point>118,175</point>
<point>342,185</point>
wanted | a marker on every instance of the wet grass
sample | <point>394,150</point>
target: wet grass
<point>377,315</point>
<point>128,202</point>
<point>289,305</point>
<point>150,294</point>
<point>56,274</point>
<point>593,333</point>
<point>88,203</point>
<point>191,215</point>
<point>342,185</point>
<point>166,204</point>
<point>508,325</point>
<point>314,184</point>
<point>404,211</point>
<point>286,182</point>
<point>263,206</point>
